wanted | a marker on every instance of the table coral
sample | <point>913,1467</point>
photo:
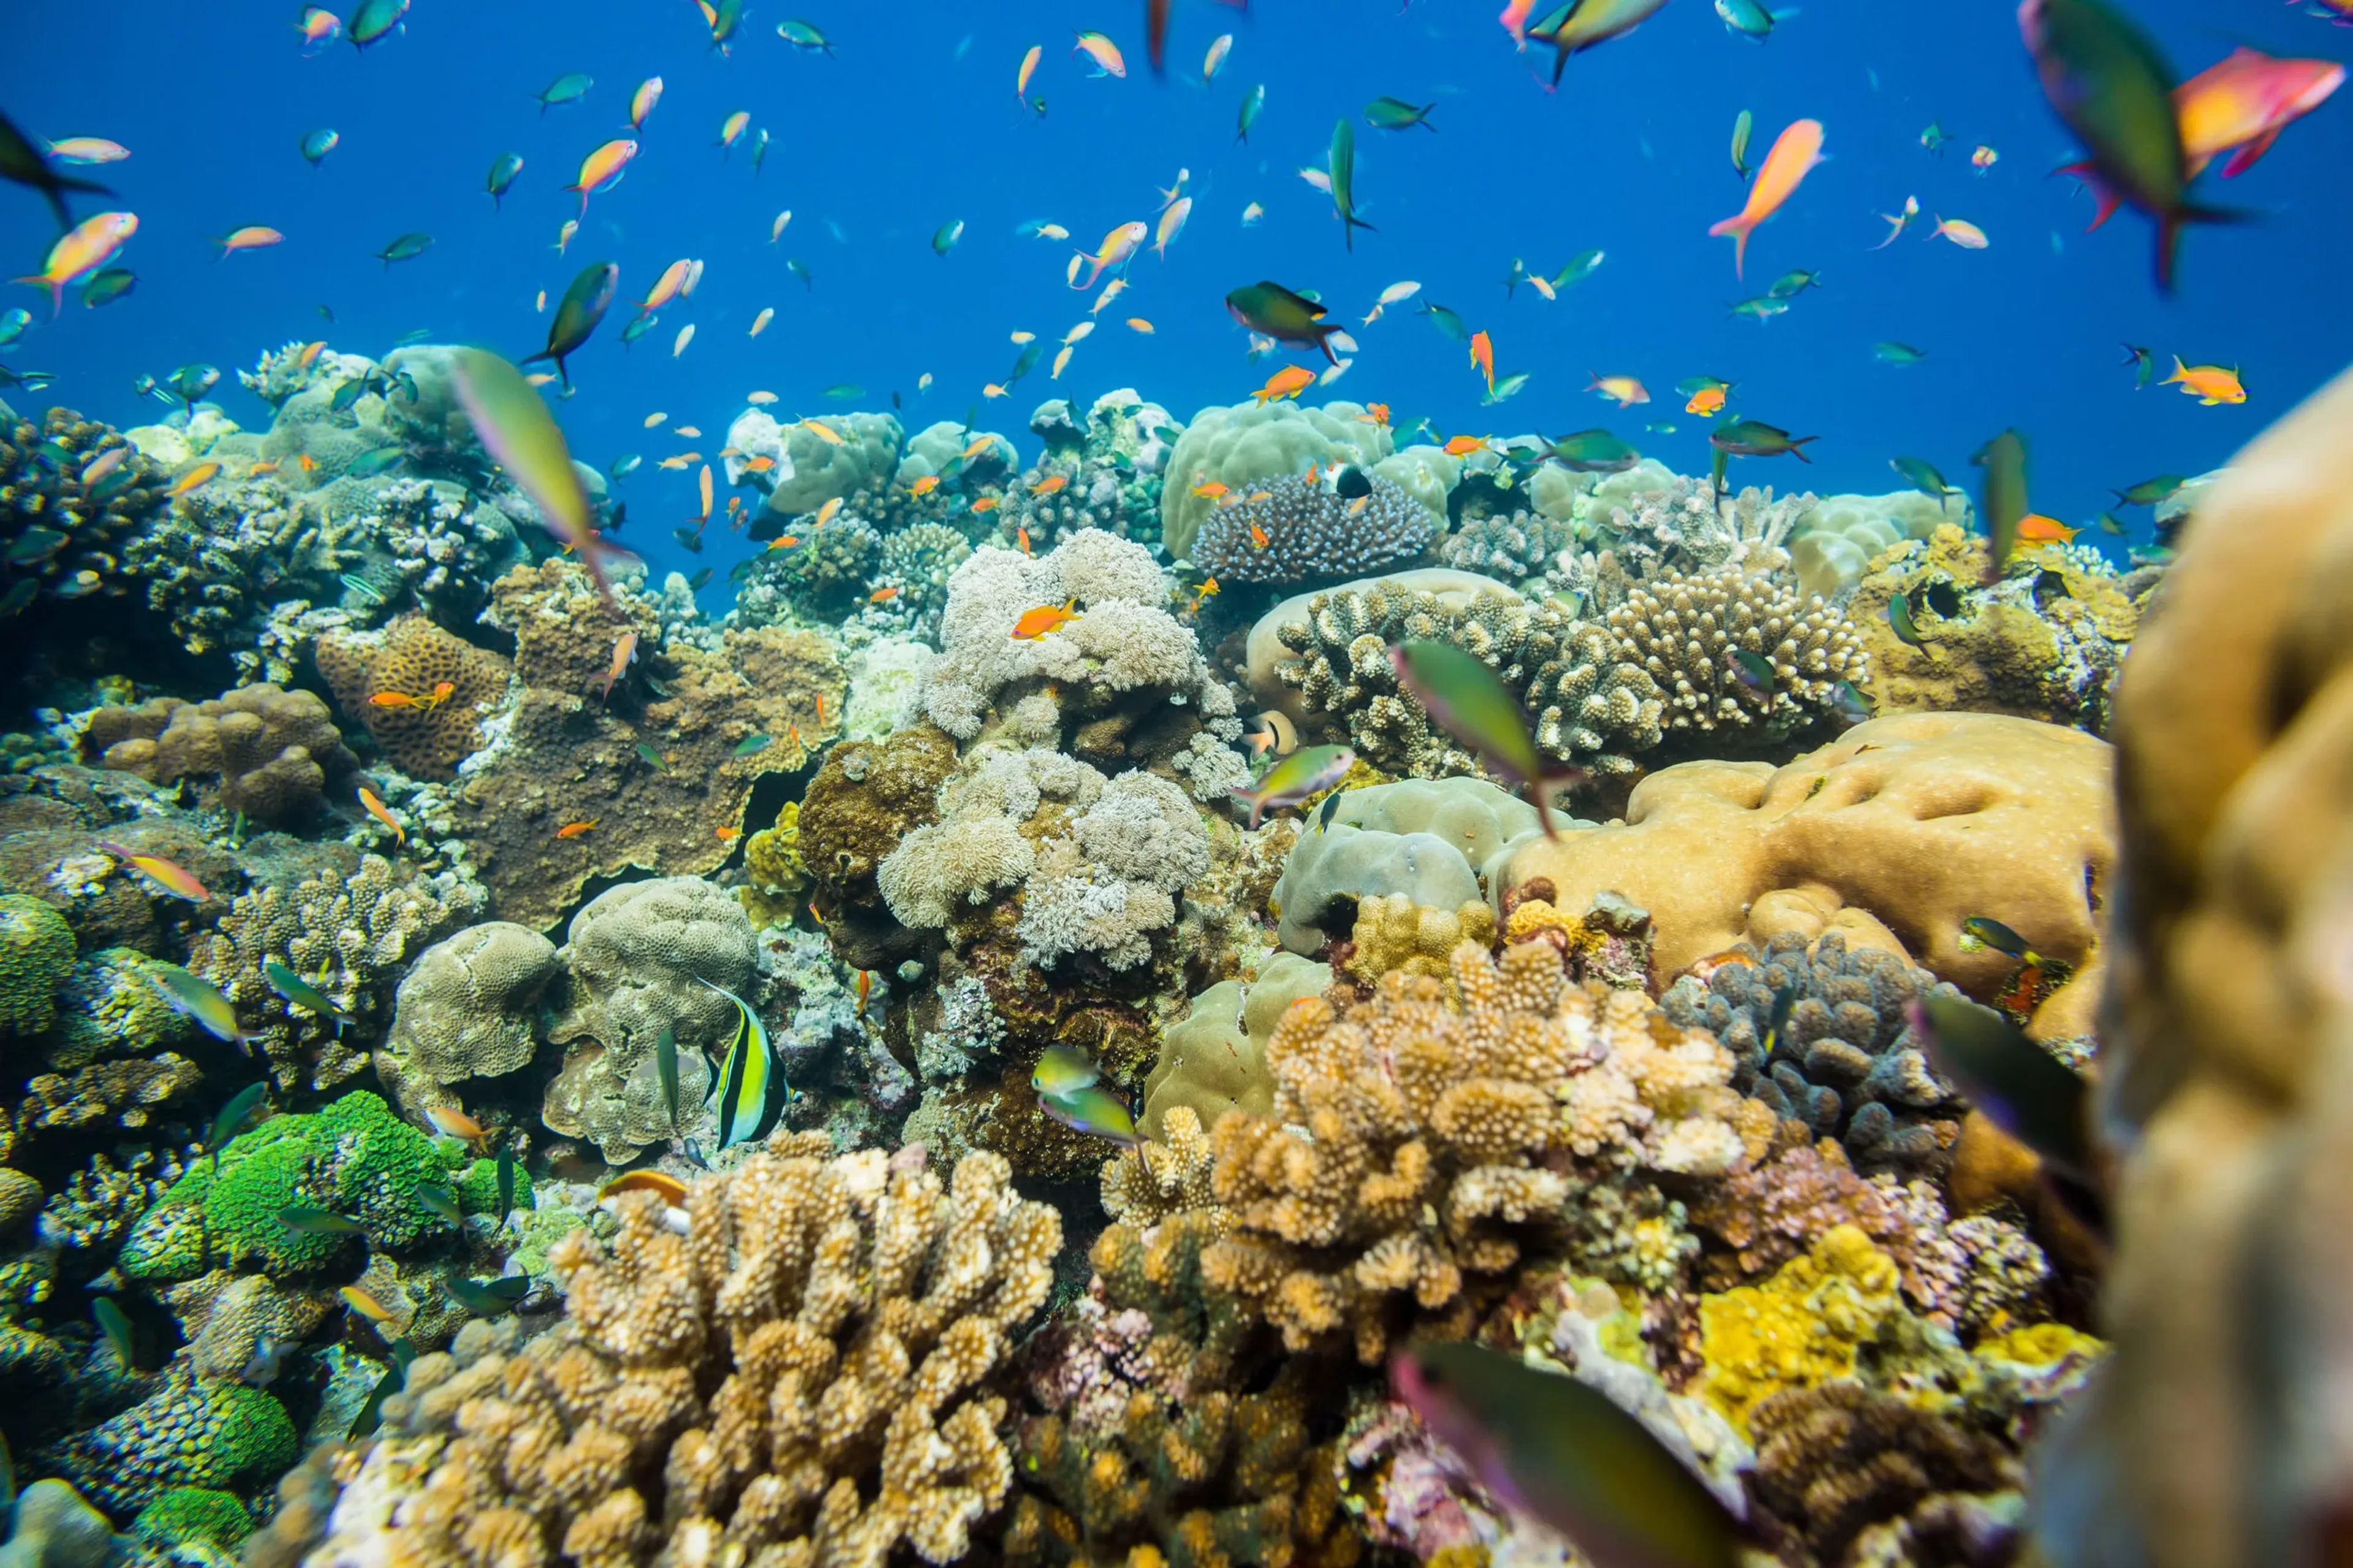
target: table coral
<point>1428,1115</point>
<point>1921,820</point>
<point>1291,529</point>
<point>800,1375</point>
<point>412,658</point>
<point>347,928</point>
<point>271,754</point>
<point>866,797</point>
<point>190,1433</point>
<point>467,1008</point>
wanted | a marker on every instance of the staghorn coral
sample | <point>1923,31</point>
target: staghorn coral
<point>799,1376</point>
<point>1684,630</point>
<point>1517,550</point>
<point>412,658</point>
<point>41,487</point>
<point>467,1008</point>
<point>1847,1062</point>
<point>1292,528</point>
<point>348,930</point>
<point>1405,1160</point>
<point>273,755</point>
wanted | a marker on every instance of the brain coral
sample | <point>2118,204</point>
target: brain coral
<point>269,754</point>
<point>412,657</point>
<point>1249,442</point>
<point>468,1006</point>
<point>1290,528</point>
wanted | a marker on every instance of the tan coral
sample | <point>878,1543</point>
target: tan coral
<point>1394,933</point>
<point>1923,820</point>
<point>842,1314</point>
<point>269,754</point>
<point>412,658</point>
<point>1684,630</point>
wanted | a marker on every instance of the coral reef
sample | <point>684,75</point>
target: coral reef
<point>801,1375</point>
<point>1213,1060</point>
<point>189,1433</point>
<point>865,799</point>
<point>1265,651</point>
<point>467,1008</point>
<point>43,493</point>
<point>804,469</point>
<point>1516,550</point>
<point>1239,446</point>
<point>427,737</point>
<point>273,755</point>
<point>817,577</point>
<point>1838,539</point>
<point>1687,632</point>
<point>37,953</point>
<point>1426,840</point>
<point>1294,529</point>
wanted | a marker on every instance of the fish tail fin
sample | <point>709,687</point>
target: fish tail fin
<point>2169,235</point>
<point>57,290</point>
<point>1738,226</point>
<point>1797,446</point>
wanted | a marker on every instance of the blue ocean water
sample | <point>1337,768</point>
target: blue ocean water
<point>912,123</point>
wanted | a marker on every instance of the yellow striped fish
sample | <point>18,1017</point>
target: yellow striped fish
<point>744,1079</point>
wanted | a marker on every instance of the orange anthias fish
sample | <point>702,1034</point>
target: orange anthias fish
<point>1482,355</point>
<point>377,809</point>
<point>454,1122</point>
<point>1210,489</point>
<point>924,486</point>
<point>865,989</point>
<point>979,444</point>
<point>575,829</point>
<point>825,513</point>
<point>439,694</point>
<point>1035,624</point>
<point>2208,383</point>
<point>1288,382</point>
<point>1795,153</point>
<point>173,876</point>
<point>1374,414</point>
<point>600,169</point>
<point>625,648</point>
<point>200,475</point>
<point>394,700</point>
<point>1464,446</point>
<point>729,834</point>
<point>1624,389</point>
<point>823,432</point>
<point>87,248</point>
<point>985,503</point>
<point>1258,540</point>
<point>2036,529</point>
<point>1049,485</point>
<point>1706,400</point>
<point>883,595</point>
<point>1021,538</point>
<point>662,1184</point>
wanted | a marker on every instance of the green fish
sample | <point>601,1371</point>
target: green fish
<point>1576,26</point>
<point>439,1201</point>
<point>1570,1457</point>
<point>2002,497</point>
<point>374,20</point>
<point>317,144</point>
<point>586,300</point>
<point>1760,309</point>
<point>759,149</point>
<point>24,161</point>
<point>1388,114</point>
<point>301,993</point>
<point>1446,322</point>
<point>1934,138</point>
<point>1095,1111</point>
<point>945,237</point>
<point>380,461</point>
<point>191,382</point>
<point>491,1299</point>
<point>1580,267</point>
<point>207,1006</point>
<point>1848,704</point>
<point>2150,492</point>
<point>799,268</point>
<point>1790,285</point>
<point>666,1069</point>
<point>688,539</point>
<point>1341,165</point>
<point>569,88</point>
<point>1252,103</point>
<point>1893,352</point>
<point>371,1412</point>
<point>1751,669</point>
<point>1777,1020</point>
<point>1984,930</point>
<point>407,247</point>
<point>1309,771</point>
<point>506,1173</point>
<point>30,380</point>
<point>1923,475</point>
<point>744,1077</point>
<point>638,329</point>
<point>1751,19</point>
<point>1692,387</point>
<point>512,421</point>
<point>117,1330</point>
<point>623,467</point>
<point>1471,702</point>
<point>2144,363</point>
<point>362,586</point>
<point>652,757</point>
<point>412,337</point>
<point>849,390</point>
<point>306,1220</point>
<point>1755,438</point>
<point>803,36</point>
<point>241,1105</point>
<point>725,18</point>
<point>35,544</point>
<point>2027,1093</point>
<point>751,745</point>
<point>19,597</point>
<point>1062,1070</point>
<point>13,322</point>
<point>1505,388</point>
<point>2110,524</point>
<point>2108,84</point>
<point>1899,617</point>
<point>347,393</point>
<point>1740,129</point>
<point>1595,451</point>
<point>503,170</point>
<point>1273,310</point>
<point>106,287</point>
<point>696,582</point>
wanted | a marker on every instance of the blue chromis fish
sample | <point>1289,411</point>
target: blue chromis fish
<point>1923,475</point>
<point>1340,165</point>
<point>503,170</point>
<point>232,1116</point>
<point>1309,771</point>
<point>117,1330</point>
<point>945,237</point>
<point>317,144</point>
<point>2142,360</point>
<point>205,1003</point>
<point>744,1077</point>
<point>569,88</point>
<point>1751,19</point>
<point>1095,1111</point>
<point>1750,668</point>
<point>1062,1070</point>
<point>1471,702</point>
<point>299,992</point>
<point>1891,351</point>
<point>1253,103</point>
<point>1564,1452</point>
<point>1849,702</point>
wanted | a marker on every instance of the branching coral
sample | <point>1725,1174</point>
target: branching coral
<point>427,736</point>
<point>1291,529</point>
<point>347,931</point>
<point>802,1371</point>
<point>273,755</point>
<point>1687,632</point>
<point>1428,1119</point>
<point>64,533</point>
<point>1595,706</point>
<point>232,548</point>
<point>1515,550</point>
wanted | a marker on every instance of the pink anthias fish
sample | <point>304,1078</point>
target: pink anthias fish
<point>319,27</point>
<point>601,169</point>
<point>1795,153</point>
<point>2238,105</point>
<point>86,248</point>
<point>1118,246</point>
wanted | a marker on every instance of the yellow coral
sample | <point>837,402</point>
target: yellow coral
<point>1394,933</point>
<point>1799,1328</point>
<point>2043,1345</point>
<point>774,871</point>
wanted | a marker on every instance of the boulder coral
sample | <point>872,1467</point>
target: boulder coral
<point>1213,1060</point>
<point>1239,446</point>
<point>467,1008</point>
<point>1426,840</point>
<point>412,658</point>
<point>271,754</point>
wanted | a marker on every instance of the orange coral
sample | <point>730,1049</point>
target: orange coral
<point>413,657</point>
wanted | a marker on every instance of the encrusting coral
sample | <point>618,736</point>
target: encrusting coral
<point>273,755</point>
<point>865,799</point>
<point>797,1379</point>
<point>427,736</point>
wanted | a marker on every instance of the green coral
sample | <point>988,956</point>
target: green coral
<point>190,1433</point>
<point>477,1189</point>
<point>108,1007</point>
<point>185,1515</point>
<point>378,1162</point>
<point>36,952</point>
